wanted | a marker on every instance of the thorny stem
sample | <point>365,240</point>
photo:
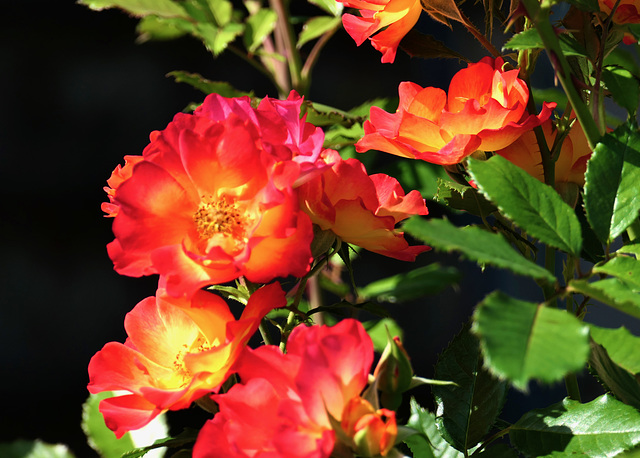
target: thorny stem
<point>598,101</point>
<point>550,265</point>
<point>479,36</point>
<point>540,17</point>
<point>264,332</point>
<point>493,438</point>
<point>286,43</point>
<point>287,330</point>
<point>573,390</point>
<point>279,75</point>
<point>548,166</point>
<point>315,299</point>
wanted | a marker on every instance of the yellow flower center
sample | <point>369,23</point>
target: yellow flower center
<point>219,216</point>
<point>181,370</point>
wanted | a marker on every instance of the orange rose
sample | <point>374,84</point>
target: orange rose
<point>177,351</point>
<point>398,16</point>
<point>362,209</point>
<point>572,161</point>
<point>626,12</point>
<point>373,431</point>
<point>484,110</point>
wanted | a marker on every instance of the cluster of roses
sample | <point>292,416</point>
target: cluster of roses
<point>236,192</point>
<point>485,108</point>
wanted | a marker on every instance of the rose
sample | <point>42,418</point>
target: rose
<point>176,352</point>
<point>570,164</point>
<point>362,209</point>
<point>626,12</point>
<point>212,199</point>
<point>371,431</point>
<point>288,404</point>
<point>485,109</point>
<point>398,16</point>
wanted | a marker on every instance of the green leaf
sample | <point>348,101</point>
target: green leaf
<point>522,341</point>
<point>622,346</point>
<point>417,44</point>
<point>537,208</point>
<point>330,6</point>
<point>612,188</point>
<point>99,437</point>
<point>631,248</point>
<point>163,8</point>
<point>216,40</point>
<point>623,87</point>
<point>622,267</point>
<point>186,437</point>
<point>157,28</point>
<point>207,86</point>
<point>462,197</point>
<point>420,282</point>
<point>476,245</point>
<point>428,443</point>
<point>602,427</point>
<point>635,453</point>
<point>467,410</point>
<point>323,115</point>
<point>315,27</point>
<point>258,27</point>
<point>34,449</point>
<point>530,39</point>
<point>615,378</point>
<point>338,136</point>
<point>610,291</point>
<point>387,104</point>
<point>222,11</point>
<point>377,330</point>
<point>623,58</point>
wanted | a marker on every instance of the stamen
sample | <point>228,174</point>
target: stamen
<point>219,216</point>
<point>180,367</point>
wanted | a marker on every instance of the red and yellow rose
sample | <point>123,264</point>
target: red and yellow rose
<point>283,405</point>
<point>396,17</point>
<point>211,198</point>
<point>176,352</point>
<point>362,209</point>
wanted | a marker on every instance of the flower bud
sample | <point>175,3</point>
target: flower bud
<point>373,432</point>
<point>394,373</point>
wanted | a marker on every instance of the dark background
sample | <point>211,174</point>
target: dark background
<point>77,95</point>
